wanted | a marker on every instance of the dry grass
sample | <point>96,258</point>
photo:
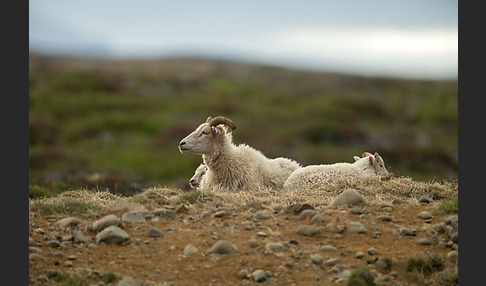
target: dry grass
<point>375,190</point>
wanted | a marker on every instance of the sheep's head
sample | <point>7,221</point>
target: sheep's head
<point>202,140</point>
<point>374,161</point>
<point>198,174</point>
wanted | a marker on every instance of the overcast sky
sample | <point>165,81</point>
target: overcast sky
<point>410,38</point>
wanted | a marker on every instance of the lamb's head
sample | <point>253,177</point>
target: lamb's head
<point>374,161</point>
<point>202,140</point>
<point>195,181</point>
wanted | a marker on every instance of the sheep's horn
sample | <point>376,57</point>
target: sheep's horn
<point>209,119</point>
<point>222,120</point>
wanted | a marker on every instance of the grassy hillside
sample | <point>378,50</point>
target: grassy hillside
<point>117,125</point>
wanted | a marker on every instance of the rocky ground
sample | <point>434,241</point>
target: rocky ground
<point>254,243</point>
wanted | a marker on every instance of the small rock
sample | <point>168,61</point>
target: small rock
<point>348,197</point>
<point>128,281</point>
<point>112,234</point>
<point>356,210</point>
<point>372,251</point>
<point>308,230</point>
<point>425,215</point>
<point>384,218</point>
<point>317,259</point>
<point>307,213</point>
<point>253,242</point>
<point>133,217</point>
<point>68,222</point>
<point>328,248</point>
<point>165,213</point>
<point>260,215</point>
<point>332,261</point>
<point>78,237</point>
<point>426,199</point>
<point>190,249</point>
<point>104,222</point>
<point>424,241</point>
<point>453,255</point>
<point>222,247</point>
<point>359,254</point>
<point>387,206</point>
<point>277,207</point>
<point>356,227</point>
<point>317,218</point>
<point>155,232</point>
<point>32,242</point>
<point>255,205</point>
<point>53,243</point>
<point>222,213</point>
<point>259,275</point>
<point>404,231</point>
<point>273,246</point>
<point>296,209</point>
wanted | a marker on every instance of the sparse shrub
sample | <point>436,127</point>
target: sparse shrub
<point>189,197</point>
<point>73,280</point>
<point>109,277</point>
<point>361,276</point>
<point>425,266</point>
<point>449,205</point>
<point>67,207</point>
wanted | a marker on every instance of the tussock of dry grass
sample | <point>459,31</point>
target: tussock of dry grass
<point>375,190</point>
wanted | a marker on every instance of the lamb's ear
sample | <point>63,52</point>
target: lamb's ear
<point>356,158</point>
<point>208,119</point>
<point>370,158</point>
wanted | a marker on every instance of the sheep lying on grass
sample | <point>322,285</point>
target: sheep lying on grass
<point>230,166</point>
<point>315,177</point>
<point>195,181</point>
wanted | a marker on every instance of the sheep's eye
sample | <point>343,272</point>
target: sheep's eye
<point>205,132</point>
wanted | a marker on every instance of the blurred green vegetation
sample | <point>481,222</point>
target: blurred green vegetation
<point>116,125</point>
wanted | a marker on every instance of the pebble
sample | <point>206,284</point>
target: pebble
<point>425,215</point>
<point>165,213</point>
<point>328,248</point>
<point>424,241</point>
<point>317,218</point>
<point>68,222</point>
<point>453,255</point>
<point>277,207</point>
<point>307,230</point>
<point>128,281</point>
<point>359,254</point>
<point>112,234</point>
<point>155,232</point>
<point>356,227</point>
<point>307,213</point>
<point>384,218</point>
<point>32,242</point>
<point>104,222</point>
<point>190,249</point>
<point>133,217</point>
<point>222,247</point>
<point>356,210</point>
<point>317,259</point>
<point>53,243</point>
<point>274,246</point>
<point>253,242</point>
<point>372,251</point>
<point>259,275</point>
<point>260,215</point>
<point>78,237</point>
<point>348,197</point>
<point>332,261</point>
<point>426,199</point>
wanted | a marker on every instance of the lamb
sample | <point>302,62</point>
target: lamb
<point>230,166</point>
<point>315,177</point>
<point>195,181</point>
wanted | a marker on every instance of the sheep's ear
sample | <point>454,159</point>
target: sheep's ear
<point>371,160</point>
<point>356,158</point>
<point>209,119</point>
<point>215,130</point>
<point>377,155</point>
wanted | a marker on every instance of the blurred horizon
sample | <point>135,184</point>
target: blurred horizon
<point>399,39</point>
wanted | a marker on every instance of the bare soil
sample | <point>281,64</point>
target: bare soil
<point>161,260</point>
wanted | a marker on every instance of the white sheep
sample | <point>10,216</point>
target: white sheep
<point>195,181</point>
<point>315,177</point>
<point>230,166</point>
